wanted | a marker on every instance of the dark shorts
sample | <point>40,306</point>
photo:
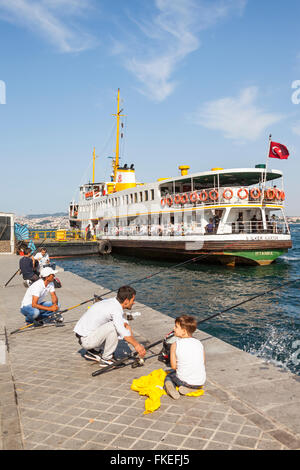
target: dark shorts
<point>176,381</point>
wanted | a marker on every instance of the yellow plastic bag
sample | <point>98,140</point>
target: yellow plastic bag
<point>152,386</point>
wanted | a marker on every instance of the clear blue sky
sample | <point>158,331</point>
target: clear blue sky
<point>204,83</point>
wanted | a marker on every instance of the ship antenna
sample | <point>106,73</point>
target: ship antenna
<point>116,160</point>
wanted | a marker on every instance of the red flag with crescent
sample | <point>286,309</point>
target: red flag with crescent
<point>278,151</point>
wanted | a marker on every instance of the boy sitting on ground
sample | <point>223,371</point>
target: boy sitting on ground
<point>187,360</point>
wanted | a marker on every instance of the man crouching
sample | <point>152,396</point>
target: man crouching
<point>102,324</point>
<point>33,304</point>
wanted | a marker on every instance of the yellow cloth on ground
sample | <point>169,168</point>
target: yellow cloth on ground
<point>152,386</point>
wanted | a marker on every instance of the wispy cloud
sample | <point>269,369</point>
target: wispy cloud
<point>49,18</point>
<point>169,36</point>
<point>238,118</point>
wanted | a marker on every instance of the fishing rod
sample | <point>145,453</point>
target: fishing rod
<point>170,335</point>
<point>19,268</point>
<point>110,291</point>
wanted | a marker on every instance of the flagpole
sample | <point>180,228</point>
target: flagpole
<point>266,166</point>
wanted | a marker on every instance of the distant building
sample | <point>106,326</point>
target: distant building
<point>7,235</point>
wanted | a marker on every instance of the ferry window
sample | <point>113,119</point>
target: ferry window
<point>152,194</point>
<point>131,198</point>
<point>135,197</point>
<point>141,197</point>
<point>146,195</point>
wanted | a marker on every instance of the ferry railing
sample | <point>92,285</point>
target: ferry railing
<point>251,227</point>
<point>56,235</point>
<point>223,195</point>
<point>194,229</point>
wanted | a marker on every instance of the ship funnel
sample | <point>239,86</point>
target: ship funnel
<point>184,169</point>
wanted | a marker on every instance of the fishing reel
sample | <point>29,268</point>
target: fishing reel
<point>97,298</point>
<point>139,362</point>
<point>164,355</point>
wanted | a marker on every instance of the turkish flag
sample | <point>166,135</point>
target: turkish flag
<point>278,151</point>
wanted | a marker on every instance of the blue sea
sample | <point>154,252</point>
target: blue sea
<point>268,327</point>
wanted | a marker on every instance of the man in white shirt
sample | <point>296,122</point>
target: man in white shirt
<point>102,325</point>
<point>33,304</point>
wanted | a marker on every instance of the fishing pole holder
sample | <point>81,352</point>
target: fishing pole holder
<point>164,355</point>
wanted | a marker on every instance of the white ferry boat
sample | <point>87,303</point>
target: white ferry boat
<point>233,216</point>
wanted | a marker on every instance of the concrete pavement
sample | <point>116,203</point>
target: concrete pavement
<point>49,399</point>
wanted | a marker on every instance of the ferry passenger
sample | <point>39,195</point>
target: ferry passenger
<point>33,304</point>
<point>102,324</point>
<point>274,224</point>
<point>240,223</point>
<point>209,227</point>
<point>187,360</point>
<point>27,266</point>
<point>254,224</point>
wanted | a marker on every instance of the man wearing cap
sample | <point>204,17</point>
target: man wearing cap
<point>33,304</point>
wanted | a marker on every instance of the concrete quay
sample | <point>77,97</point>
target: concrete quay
<point>49,399</point>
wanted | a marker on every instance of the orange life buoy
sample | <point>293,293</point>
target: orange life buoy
<point>255,193</point>
<point>224,194</point>
<point>215,197</point>
<point>163,202</point>
<point>270,193</point>
<point>239,193</point>
<point>282,195</point>
<point>201,196</point>
<point>193,197</point>
<point>169,200</point>
<point>184,198</point>
<point>177,199</point>
<point>277,194</point>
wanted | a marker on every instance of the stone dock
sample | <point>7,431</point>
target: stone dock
<point>49,399</point>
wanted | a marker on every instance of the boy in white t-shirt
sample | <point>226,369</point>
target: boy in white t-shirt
<point>187,359</point>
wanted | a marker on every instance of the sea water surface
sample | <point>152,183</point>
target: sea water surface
<point>268,327</point>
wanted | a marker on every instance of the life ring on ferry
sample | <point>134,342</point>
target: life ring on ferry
<point>177,199</point>
<point>245,191</point>
<point>215,197</point>
<point>193,197</point>
<point>201,196</point>
<point>255,193</point>
<point>282,195</point>
<point>224,194</point>
<point>184,198</point>
<point>169,200</point>
<point>163,202</point>
<point>277,194</point>
<point>270,193</point>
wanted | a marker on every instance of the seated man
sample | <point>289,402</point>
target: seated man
<point>33,304</point>
<point>43,259</point>
<point>28,267</point>
<point>101,325</point>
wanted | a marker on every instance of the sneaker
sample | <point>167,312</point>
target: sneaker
<point>184,390</point>
<point>171,390</point>
<point>27,283</point>
<point>92,355</point>
<point>108,361</point>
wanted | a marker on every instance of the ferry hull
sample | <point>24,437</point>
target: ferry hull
<point>244,253</point>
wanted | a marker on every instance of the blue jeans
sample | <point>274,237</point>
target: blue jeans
<point>176,381</point>
<point>32,314</point>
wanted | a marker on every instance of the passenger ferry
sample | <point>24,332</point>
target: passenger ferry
<point>233,216</point>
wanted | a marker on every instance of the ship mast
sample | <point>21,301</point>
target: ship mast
<point>116,160</point>
<point>94,158</point>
